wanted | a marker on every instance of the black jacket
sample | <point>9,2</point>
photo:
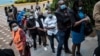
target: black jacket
<point>40,22</point>
<point>64,22</point>
<point>31,23</point>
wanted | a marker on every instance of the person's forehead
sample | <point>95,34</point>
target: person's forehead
<point>14,24</point>
<point>49,11</point>
<point>61,2</point>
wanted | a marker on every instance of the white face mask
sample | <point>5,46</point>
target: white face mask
<point>80,8</point>
<point>15,28</point>
<point>31,17</point>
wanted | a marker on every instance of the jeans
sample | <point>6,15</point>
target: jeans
<point>63,37</point>
<point>51,38</point>
<point>98,34</point>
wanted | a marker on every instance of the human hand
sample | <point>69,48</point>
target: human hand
<point>45,30</point>
<point>86,19</point>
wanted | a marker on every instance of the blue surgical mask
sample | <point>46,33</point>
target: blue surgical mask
<point>62,7</point>
<point>50,15</point>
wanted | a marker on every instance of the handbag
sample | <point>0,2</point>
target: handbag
<point>88,29</point>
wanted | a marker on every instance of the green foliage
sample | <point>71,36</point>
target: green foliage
<point>54,4</point>
<point>20,1</point>
<point>25,1</point>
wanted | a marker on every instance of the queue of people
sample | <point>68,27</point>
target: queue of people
<point>41,22</point>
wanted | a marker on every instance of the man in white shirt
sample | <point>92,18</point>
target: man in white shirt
<point>50,24</point>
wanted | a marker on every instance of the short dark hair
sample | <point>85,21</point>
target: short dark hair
<point>12,22</point>
<point>76,5</point>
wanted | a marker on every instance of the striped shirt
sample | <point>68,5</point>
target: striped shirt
<point>51,22</point>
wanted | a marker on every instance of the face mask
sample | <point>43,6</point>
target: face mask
<point>23,16</point>
<point>15,28</point>
<point>50,15</point>
<point>31,17</point>
<point>80,8</point>
<point>28,18</point>
<point>62,7</point>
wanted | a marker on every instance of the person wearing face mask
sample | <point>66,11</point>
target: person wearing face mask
<point>78,27</point>
<point>32,26</point>
<point>50,24</point>
<point>64,16</point>
<point>19,38</point>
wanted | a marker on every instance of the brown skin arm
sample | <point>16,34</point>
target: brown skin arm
<point>85,19</point>
<point>32,28</point>
<point>40,29</point>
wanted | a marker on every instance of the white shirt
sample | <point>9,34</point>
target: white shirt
<point>37,24</point>
<point>36,14</point>
<point>51,23</point>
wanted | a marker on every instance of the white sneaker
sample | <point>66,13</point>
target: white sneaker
<point>45,49</point>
